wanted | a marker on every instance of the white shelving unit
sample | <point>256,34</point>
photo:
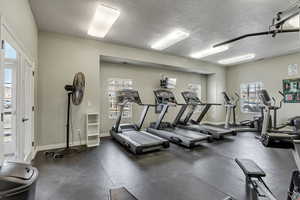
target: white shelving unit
<point>92,129</point>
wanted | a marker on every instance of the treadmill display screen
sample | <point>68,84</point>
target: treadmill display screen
<point>164,96</point>
<point>190,97</point>
<point>128,95</point>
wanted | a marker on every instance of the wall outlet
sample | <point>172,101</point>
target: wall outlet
<point>89,104</point>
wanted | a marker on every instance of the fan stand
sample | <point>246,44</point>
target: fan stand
<point>67,150</point>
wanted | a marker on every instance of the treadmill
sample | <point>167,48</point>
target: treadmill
<point>130,135</point>
<point>192,102</point>
<point>186,138</point>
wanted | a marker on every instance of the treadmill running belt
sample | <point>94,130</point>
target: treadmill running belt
<point>121,194</point>
<point>141,138</point>
<point>210,127</point>
<point>187,133</point>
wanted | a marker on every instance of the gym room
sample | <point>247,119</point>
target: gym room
<point>149,100</point>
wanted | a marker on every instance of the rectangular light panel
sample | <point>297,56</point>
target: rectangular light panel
<point>237,59</point>
<point>170,39</point>
<point>103,20</point>
<point>208,52</point>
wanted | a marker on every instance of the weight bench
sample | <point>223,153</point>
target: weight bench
<point>250,168</point>
<point>256,188</point>
<point>121,194</point>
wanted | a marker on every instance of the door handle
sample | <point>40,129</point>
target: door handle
<point>25,119</point>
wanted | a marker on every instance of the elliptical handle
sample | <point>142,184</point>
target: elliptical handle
<point>274,100</point>
<point>282,100</point>
<point>281,93</point>
<point>237,99</point>
<point>236,94</point>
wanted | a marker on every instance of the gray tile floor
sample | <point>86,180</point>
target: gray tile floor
<point>205,173</point>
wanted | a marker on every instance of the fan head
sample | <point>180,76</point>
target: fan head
<point>77,89</point>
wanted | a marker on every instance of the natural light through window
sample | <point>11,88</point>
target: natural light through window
<point>10,52</point>
<point>249,101</point>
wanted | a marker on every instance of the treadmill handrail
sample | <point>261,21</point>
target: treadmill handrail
<point>143,115</point>
<point>161,115</point>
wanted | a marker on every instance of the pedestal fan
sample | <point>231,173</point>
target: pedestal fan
<point>75,93</point>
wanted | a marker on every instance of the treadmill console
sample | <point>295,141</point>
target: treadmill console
<point>164,96</point>
<point>128,95</point>
<point>265,97</point>
<point>190,97</point>
<point>226,98</point>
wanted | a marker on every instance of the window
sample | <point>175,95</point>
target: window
<point>115,84</point>
<point>249,101</point>
<point>10,66</point>
<point>197,89</point>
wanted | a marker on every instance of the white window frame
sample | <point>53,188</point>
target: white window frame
<point>246,99</point>
<point>115,84</point>
<point>197,88</point>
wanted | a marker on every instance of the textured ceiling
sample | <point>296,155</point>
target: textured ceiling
<point>144,21</point>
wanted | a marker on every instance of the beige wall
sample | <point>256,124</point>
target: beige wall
<point>61,56</point>
<point>271,72</point>
<point>145,80</point>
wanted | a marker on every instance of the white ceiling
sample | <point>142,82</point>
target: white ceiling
<point>145,21</point>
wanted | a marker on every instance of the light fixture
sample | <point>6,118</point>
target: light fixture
<point>208,52</point>
<point>294,22</point>
<point>237,59</point>
<point>170,39</point>
<point>103,20</point>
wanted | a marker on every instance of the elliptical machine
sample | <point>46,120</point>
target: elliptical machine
<point>230,121</point>
<point>256,188</point>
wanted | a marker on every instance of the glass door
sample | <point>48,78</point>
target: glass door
<point>9,104</point>
<point>27,110</point>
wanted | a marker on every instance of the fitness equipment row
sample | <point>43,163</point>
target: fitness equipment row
<point>188,133</point>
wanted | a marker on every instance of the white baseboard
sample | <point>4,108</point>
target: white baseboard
<point>62,145</point>
<point>58,146</point>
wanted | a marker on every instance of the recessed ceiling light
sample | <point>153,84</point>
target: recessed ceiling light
<point>237,59</point>
<point>103,20</point>
<point>294,22</point>
<point>170,39</point>
<point>208,52</point>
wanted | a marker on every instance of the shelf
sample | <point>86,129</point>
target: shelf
<point>92,129</point>
<point>93,145</point>
<point>93,124</point>
<point>93,134</point>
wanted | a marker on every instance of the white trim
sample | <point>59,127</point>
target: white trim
<point>19,43</point>
<point>58,146</point>
<point>35,151</point>
<point>1,92</point>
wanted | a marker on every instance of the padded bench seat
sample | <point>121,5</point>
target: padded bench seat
<point>121,194</point>
<point>250,168</point>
